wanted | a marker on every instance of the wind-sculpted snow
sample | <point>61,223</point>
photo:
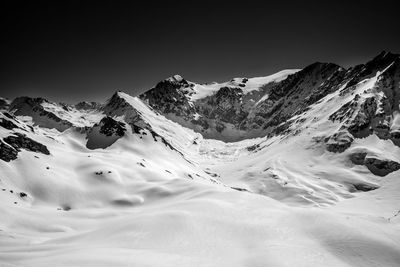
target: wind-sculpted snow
<point>125,183</point>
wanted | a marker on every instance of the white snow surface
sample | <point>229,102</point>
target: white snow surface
<point>203,90</point>
<point>140,203</point>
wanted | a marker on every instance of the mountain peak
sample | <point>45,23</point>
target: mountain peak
<point>386,55</point>
<point>175,78</point>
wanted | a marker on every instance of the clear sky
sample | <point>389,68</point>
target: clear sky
<point>72,50</point>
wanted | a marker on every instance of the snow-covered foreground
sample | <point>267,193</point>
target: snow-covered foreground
<point>164,196</point>
<point>128,219</point>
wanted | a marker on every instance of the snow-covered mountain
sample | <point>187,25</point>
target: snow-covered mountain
<point>303,163</point>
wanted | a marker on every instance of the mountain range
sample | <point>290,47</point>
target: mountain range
<point>303,162</point>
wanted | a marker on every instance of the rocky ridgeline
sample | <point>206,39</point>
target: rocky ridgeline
<point>294,96</point>
<point>171,96</point>
<point>231,114</point>
<point>118,106</point>
<point>372,112</point>
<point>27,106</point>
<point>105,133</point>
<point>11,145</point>
<point>84,105</point>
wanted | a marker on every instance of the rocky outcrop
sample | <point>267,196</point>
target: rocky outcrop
<point>171,96</point>
<point>373,111</point>
<point>109,127</point>
<point>7,152</point>
<point>365,187</point>
<point>339,142</point>
<point>117,105</point>
<point>20,141</point>
<point>226,105</point>
<point>232,114</point>
<point>105,133</point>
<point>7,124</point>
<point>27,106</point>
<point>381,167</point>
<point>358,158</point>
<point>11,145</point>
<point>84,105</point>
<point>293,96</point>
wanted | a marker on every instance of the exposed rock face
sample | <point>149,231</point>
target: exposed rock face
<point>381,167</point>
<point>226,105</point>
<point>26,106</point>
<point>118,106</point>
<point>358,158</point>
<point>18,141</point>
<point>365,187</point>
<point>294,95</point>
<point>11,145</point>
<point>171,96</point>
<point>105,133</point>
<point>7,153</point>
<point>7,124</point>
<point>232,114</point>
<point>374,112</point>
<point>84,105</point>
<point>339,142</point>
<point>109,126</point>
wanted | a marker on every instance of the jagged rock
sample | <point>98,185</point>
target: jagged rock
<point>395,137</point>
<point>14,143</point>
<point>171,97</point>
<point>27,106</point>
<point>226,105</point>
<point>365,187</point>
<point>118,106</point>
<point>375,112</point>
<point>230,114</point>
<point>7,124</point>
<point>358,158</point>
<point>253,147</point>
<point>360,125</point>
<point>363,71</point>
<point>105,133</point>
<point>339,142</point>
<point>7,153</point>
<point>381,167</point>
<point>19,141</point>
<point>84,105</point>
<point>240,189</point>
<point>109,126</point>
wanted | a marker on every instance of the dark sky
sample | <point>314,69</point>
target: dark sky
<point>72,50</point>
